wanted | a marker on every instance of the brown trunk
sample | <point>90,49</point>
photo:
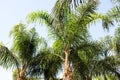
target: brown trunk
<point>89,77</point>
<point>67,69</point>
<point>21,73</point>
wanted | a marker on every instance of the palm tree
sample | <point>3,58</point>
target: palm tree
<point>70,27</point>
<point>25,48</point>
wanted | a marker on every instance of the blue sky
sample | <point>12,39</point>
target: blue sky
<point>15,11</point>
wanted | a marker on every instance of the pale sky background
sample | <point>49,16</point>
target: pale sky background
<point>15,11</point>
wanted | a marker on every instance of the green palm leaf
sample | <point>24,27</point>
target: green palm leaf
<point>7,58</point>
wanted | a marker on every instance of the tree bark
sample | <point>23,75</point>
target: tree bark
<point>21,73</point>
<point>89,77</point>
<point>67,69</point>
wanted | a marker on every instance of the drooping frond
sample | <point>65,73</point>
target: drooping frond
<point>46,18</point>
<point>7,58</point>
<point>40,17</point>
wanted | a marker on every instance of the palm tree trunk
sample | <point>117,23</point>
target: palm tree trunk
<point>21,73</point>
<point>67,69</point>
<point>89,77</point>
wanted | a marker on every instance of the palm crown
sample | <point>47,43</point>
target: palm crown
<point>24,49</point>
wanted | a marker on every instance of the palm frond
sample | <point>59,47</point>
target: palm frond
<point>7,58</point>
<point>46,18</point>
<point>40,17</point>
<point>86,15</point>
<point>116,41</point>
<point>114,13</point>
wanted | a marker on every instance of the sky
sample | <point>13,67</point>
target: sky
<point>15,11</point>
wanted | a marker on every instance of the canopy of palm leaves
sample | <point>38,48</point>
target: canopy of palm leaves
<point>70,28</point>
